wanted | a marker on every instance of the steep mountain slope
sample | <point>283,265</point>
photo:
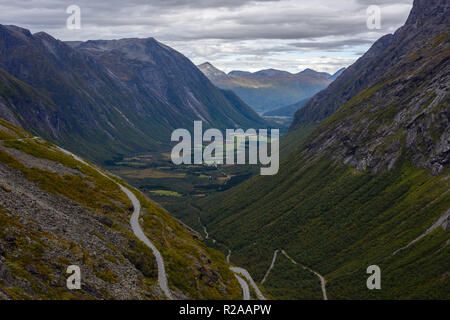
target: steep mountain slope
<point>374,67</point>
<point>270,89</point>
<point>106,98</point>
<point>214,74</point>
<point>56,211</point>
<point>20,102</point>
<point>370,186</point>
<point>287,111</point>
<point>337,74</point>
<point>291,110</point>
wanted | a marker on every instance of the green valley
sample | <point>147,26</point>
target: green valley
<point>364,179</point>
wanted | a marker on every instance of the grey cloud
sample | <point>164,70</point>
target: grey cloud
<point>209,29</point>
<point>332,45</point>
<point>204,3</point>
<point>381,2</point>
<point>203,19</point>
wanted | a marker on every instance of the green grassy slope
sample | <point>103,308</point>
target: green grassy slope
<point>339,221</point>
<point>37,243</point>
<point>289,281</point>
<point>368,180</point>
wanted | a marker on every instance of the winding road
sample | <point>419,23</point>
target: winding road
<point>135,226</point>
<point>436,225</point>
<point>239,271</point>
<point>162,276</point>
<point>228,256</point>
<point>323,282</point>
<point>271,266</point>
<point>137,230</point>
<point>249,278</point>
<point>244,286</point>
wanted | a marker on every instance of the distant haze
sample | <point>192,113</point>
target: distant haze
<point>267,90</point>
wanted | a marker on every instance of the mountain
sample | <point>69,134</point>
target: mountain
<point>212,73</point>
<point>268,73</point>
<point>103,99</point>
<point>287,111</point>
<point>369,186</point>
<point>312,72</point>
<point>290,110</point>
<point>388,52</point>
<point>57,210</point>
<point>270,89</point>
<point>239,73</point>
<point>337,74</point>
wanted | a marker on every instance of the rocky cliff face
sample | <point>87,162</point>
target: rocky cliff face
<point>110,97</point>
<point>160,71</point>
<point>396,96</point>
<point>376,63</point>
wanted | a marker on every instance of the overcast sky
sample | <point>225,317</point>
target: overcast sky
<point>291,35</point>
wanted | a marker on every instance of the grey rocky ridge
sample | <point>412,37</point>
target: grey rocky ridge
<point>104,99</point>
<point>268,90</point>
<point>394,97</point>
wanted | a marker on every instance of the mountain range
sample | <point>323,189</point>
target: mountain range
<point>268,90</point>
<point>363,179</point>
<point>103,99</point>
<point>366,181</point>
<point>286,111</point>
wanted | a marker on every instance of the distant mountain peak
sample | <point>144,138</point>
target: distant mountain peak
<point>337,74</point>
<point>211,72</point>
<point>239,73</point>
<point>206,64</point>
<point>270,88</point>
<point>44,36</point>
<point>41,34</point>
<point>271,73</point>
<point>210,66</point>
<point>18,32</point>
<point>309,71</point>
<point>129,94</point>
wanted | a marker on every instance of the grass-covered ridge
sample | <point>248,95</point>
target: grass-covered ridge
<point>339,221</point>
<point>368,180</point>
<point>38,256</point>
